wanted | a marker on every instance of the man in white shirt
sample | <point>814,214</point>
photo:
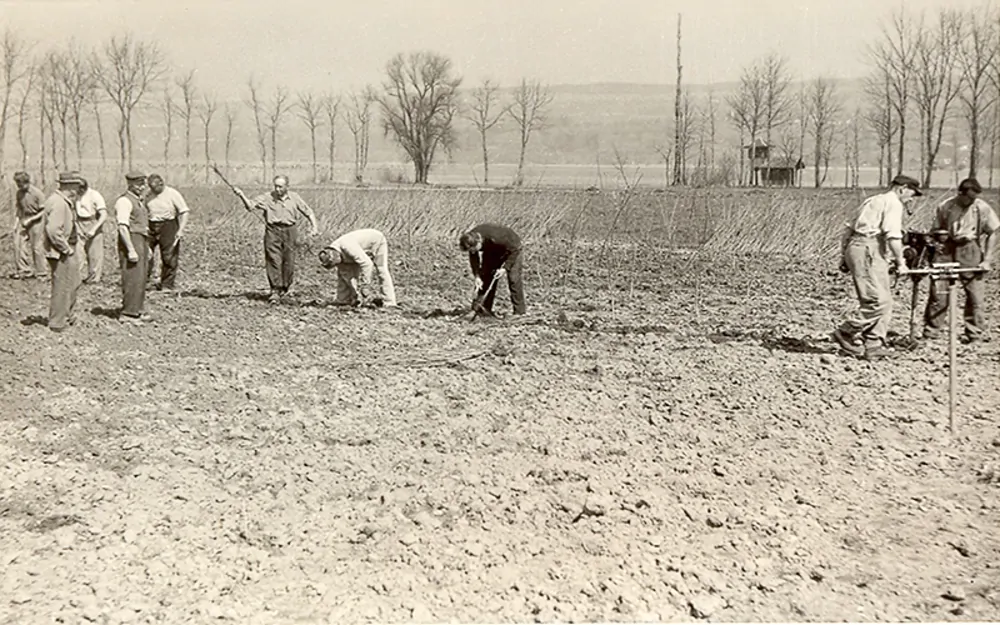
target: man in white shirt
<point>356,256</point>
<point>868,239</point>
<point>91,213</point>
<point>168,215</point>
<point>133,249</point>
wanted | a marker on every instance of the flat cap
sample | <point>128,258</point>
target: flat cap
<point>135,174</point>
<point>70,177</point>
<point>906,181</point>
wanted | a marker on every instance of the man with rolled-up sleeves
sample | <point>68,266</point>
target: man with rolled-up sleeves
<point>133,248</point>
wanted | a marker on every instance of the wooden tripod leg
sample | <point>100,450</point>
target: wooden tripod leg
<point>914,300</point>
<point>952,357</point>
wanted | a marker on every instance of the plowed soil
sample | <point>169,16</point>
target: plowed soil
<point>686,446</point>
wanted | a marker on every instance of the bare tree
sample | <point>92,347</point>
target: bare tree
<point>689,129</point>
<point>879,117</point>
<point>936,84</point>
<point>23,109</point>
<point>485,112</point>
<point>256,106</point>
<point>748,113</point>
<point>823,106</point>
<point>206,112</point>
<point>77,84</point>
<point>778,104</point>
<point>186,111</point>
<point>711,113</point>
<point>127,70</point>
<point>95,104</point>
<point>895,57</point>
<point>679,159</point>
<point>279,107</point>
<point>331,108</point>
<point>309,110</point>
<point>977,55</point>
<point>358,117</point>
<point>230,114</point>
<point>54,69</point>
<point>15,66</point>
<point>418,104</point>
<point>167,108</point>
<point>531,101</point>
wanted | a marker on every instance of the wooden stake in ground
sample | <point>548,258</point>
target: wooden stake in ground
<point>950,272</point>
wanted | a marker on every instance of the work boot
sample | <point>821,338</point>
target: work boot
<point>274,298</point>
<point>847,344</point>
<point>876,351</point>
<point>931,334</point>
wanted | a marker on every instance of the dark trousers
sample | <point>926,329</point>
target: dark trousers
<point>936,314</point>
<point>279,256</point>
<point>163,236</point>
<point>515,280</point>
<point>134,276</point>
<point>65,274</point>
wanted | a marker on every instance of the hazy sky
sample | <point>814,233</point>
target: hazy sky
<point>341,45</point>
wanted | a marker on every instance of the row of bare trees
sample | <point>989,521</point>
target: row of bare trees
<point>941,71</point>
<point>417,104</point>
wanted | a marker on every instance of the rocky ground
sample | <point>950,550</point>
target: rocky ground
<point>671,449</point>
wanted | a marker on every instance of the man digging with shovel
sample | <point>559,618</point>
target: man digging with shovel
<point>494,251</point>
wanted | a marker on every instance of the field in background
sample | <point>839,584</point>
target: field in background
<point>668,434</point>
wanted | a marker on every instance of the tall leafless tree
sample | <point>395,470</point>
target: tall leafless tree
<point>278,108</point>
<point>485,111</point>
<point>186,105</point>
<point>308,109</point>
<point>126,71</point>
<point>209,105</point>
<point>879,117</point>
<point>894,57</point>
<point>96,98</point>
<point>358,117</point>
<point>936,84</point>
<point>823,106</point>
<point>27,88</point>
<point>256,106</point>
<point>748,110</point>
<point>167,109</point>
<point>230,115</point>
<point>331,108</point>
<point>977,55</point>
<point>679,159</point>
<point>419,103</point>
<point>15,66</point>
<point>528,110</point>
<point>778,103</point>
<point>54,70</point>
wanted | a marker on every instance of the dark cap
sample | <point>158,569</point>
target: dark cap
<point>908,182</point>
<point>135,174</point>
<point>970,184</point>
<point>70,177</point>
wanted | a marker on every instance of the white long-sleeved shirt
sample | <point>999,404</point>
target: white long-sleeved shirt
<point>359,247</point>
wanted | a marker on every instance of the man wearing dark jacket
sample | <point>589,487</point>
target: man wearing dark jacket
<point>493,249</point>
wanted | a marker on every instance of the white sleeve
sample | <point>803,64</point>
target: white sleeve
<point>123,210</point>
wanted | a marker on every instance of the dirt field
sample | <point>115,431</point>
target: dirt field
<point>687,448</point>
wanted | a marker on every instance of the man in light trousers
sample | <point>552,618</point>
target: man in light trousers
<point>29,233</point>
<point>356,256</point>
<point>91,213</point>
<point>875,232</point>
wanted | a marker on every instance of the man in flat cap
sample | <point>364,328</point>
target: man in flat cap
<point>91,213</point>
<point>29,235</point>
<point>356,256</point>
<point>870,241</point>
<point>493,250</point>
<point>60,246</point>
<point>168,215</point>
<point>281,208</point>
<point>971,228</point>
<point>133,249</point>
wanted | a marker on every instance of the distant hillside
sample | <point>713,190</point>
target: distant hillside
<point>586,124</point>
